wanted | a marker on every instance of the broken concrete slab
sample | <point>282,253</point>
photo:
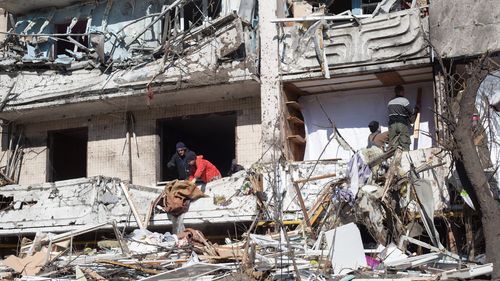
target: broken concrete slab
<point>468,272</point>
<point>50,213</point>
<point>353,43</point>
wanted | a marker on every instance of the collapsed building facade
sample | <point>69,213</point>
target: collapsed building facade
<point>95,94</point>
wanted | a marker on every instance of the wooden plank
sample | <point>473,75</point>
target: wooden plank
<point>132,206</point>
<point>293,105</point>
<point>119,238</point>
<point>416,126</point>
<point>390,78</point>
<point>138,267</point>
<point>296,139</point>
<point>302,205</point>
<point>316,178</point>
<point>295,120</point>
<point>92,274</point>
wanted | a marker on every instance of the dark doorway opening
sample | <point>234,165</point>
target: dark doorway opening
<point>211,135</point>
<point>67,154</point>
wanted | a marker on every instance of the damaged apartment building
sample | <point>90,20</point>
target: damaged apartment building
<point>108,87</point>
<point>94,96</point>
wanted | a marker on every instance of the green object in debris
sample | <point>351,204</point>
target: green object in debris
<point>465,196</point>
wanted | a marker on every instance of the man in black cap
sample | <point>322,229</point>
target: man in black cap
<point>179,160</point>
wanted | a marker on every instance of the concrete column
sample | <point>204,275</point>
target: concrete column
<point>270,83</point>
<point>3,23</point>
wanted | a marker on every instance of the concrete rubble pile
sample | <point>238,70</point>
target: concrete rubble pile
<point>381,215</point>
<point>375,217</point>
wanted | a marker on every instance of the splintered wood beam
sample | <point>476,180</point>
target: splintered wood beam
<point>132,206</point>
<point>416,127</point>
<point>390,78</point>
<point>295,120</point>
<point>94,275</point>
<point>315,178</point>
<point>297,139</point>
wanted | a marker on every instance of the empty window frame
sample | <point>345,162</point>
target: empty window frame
<point>211,135</point>
<point>67,157</point>
<point>64,46</point>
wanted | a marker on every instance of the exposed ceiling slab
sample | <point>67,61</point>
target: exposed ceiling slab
<point>365,81</point>
<point>134,100</point>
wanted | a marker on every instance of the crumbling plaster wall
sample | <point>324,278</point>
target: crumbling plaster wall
<point>3,23</point>
<point>394,37</point>
<point>464,28</point>
<point>101,16</point>
<point>107,137</point>
<point>201,66</point>
<point>114,30</point>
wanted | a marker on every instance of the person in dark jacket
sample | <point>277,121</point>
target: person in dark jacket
<point>179,161</point>
<point>235,167</point>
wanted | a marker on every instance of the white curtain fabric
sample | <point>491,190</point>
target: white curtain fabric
<point>351,112</point>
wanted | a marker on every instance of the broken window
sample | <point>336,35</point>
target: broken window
<point>67,154</point>
<point>200,11</point>
<point>66,44</point>
<point>6,202</point>
<point>212,136</point>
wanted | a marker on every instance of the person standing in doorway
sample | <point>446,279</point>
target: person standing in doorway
<point>400,118</point>
<point>179,161</point>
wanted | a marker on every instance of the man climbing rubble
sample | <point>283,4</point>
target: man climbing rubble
<point>377,138</point>
<point>400,118</point>
<point>179,160</point>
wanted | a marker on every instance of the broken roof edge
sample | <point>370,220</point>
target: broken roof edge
<point>26,6</point>
<point>78,105</point>
<point>351,69</point>
<point>52,207</point>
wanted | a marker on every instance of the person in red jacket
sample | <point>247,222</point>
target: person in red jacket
<point>202,169</point>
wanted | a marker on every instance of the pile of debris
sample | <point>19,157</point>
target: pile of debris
<point>371,218</point>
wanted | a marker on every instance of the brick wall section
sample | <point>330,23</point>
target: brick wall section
<point>106,140</point>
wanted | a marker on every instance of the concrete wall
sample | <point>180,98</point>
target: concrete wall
<point>464,28</point>
<point>3,23</point>
<point>395,37</point>
<point>107,137</point>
